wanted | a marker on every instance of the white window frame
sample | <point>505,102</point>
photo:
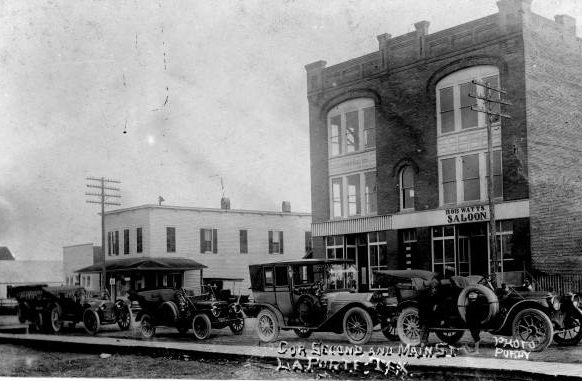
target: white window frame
<point>442,239</point>
<point>276,234</point>
<point>358,104</point>
<point>335,247</point>
<point>455,80</point>
<point>212,249</point>
<point>401,187</point>
<point>363,197</point>
<point>376,267</point>
<point>459,177</point>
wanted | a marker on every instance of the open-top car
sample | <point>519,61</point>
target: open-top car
<point>184,309</point>
<point>533,317</point>
<point>312,295</point>
<point>50,308</point>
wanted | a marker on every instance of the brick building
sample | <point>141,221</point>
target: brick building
<point>223,240</point>
<point>399,159</point>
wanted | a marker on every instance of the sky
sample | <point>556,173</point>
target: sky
<point>170,97</point>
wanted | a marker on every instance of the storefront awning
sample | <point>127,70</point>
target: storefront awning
<point>145,264</point>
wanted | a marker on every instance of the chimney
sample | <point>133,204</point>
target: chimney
<point>286,207</point>
<point>225,203</point>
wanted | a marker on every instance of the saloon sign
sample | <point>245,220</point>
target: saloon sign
<point>467,214</point>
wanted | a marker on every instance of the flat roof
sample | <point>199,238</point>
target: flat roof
<point>304,261</point>
<point>212,210</point>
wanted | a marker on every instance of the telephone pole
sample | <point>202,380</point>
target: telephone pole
<point>103,186</point>
<point>491,107</point>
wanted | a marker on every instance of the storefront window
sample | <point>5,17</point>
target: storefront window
<point>443,244</point>
<point>378,255</point>
<point>335,247</point>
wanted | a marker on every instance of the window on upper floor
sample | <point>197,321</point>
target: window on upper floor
<point>138,240</point>
<point>406,183</point>
<point>171,239</point>
<point>208,241</point>
<point>244,242</point>
<point>125,241</point>
<point>454,105</point>
<point>351,127</point>
<point>463,178</point>
<point>275,242</point>
<point>353,195</point>
<point>113,243</point>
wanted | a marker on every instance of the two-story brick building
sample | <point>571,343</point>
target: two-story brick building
<point>225,241</point>
<point>399,160</point>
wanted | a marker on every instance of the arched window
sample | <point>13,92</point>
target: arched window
<point>351,127</point>
<point>406,188</point>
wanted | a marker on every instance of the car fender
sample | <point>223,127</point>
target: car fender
<point>275,310</point>
<point>510,315</point>
<point>335,321</point>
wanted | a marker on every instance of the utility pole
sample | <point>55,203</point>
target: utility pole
<point>491,97</point>
<point>103,186</point>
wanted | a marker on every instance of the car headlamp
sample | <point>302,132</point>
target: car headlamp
<point>554,303</point>
<point>236,308</point>
<point>102,307</point>
<point>215,310</point>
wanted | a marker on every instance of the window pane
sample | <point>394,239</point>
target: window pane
<point>449,231</point>
<point>383,255</point>
<point>382,236</point>
<point>339,240</point>
<point>449,181</point>
<point>450,250</point>
<point>450,193</point>
<point>281,278</point>
<point>497,173</point>
<point>335,135</point>
<point>438,251</point>
<point>407,177</point>
<point>337,197</point>
<point>139,240</point>
<point>352,138</point>
<point>446,99</point>
<point>373,255</point>
<point>370,180</point>
<point>468,118</point>
<point>353,195</point>
<point>471,183</point>
<point>472,190</point>
<point>369,127</point>
<point>447,121</point>
<point>466,89</point>
<point>449,170</point>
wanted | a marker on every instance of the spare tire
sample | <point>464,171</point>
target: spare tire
<point>308,310</point>
<point>487,299</point>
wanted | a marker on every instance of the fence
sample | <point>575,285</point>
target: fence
<point>558,283</point>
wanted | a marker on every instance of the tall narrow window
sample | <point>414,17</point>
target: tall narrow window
<point>369,127</point>
<point>244,243</point>
<point>370,193</point>
<point>354,195</point>
<point>497,173</point>
<point>139,240</point>
<point>352,132</point>
<point>468,116</point>
<point>208,241</point>
<point>449,179</point>
<point>171,239</point>
<point>335,135</point>
<point>116,242</point>
<point>336,195</point>
<point>275,242</point>
<point>443,244</point>
<point>125,241</point>
<point>378,255</point>
<point>447,110</point>
<point>471,183</point>
<point>407,188</point>
<point>109,243</point>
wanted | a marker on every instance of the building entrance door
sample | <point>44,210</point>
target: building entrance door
<point>362,263</point>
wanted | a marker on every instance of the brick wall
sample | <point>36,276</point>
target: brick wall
<point>554,115</point>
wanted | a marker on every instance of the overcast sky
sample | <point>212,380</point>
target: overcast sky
<point>169,96</point>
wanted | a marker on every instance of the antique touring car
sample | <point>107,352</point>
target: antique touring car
<point>49,308</point>
<point>533,317</point>
<point>312,295</point>
<point>183,309</point>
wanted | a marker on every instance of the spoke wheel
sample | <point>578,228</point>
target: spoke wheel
<point>571,332</point>
<point>124,318</point>
<point>201,326</point>
<point>358,326</point>
<point>237,326</point>
<point>408,326</point>
<point>450,337</point>
<point>267,326</point>
<point>303,333</point>
<point>533,326</point>
<point>147,328</point>
<point>56,322</point>
<point>91,321</point>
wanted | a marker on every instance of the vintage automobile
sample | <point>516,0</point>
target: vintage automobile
<point>312,295</point>
<point>533,317</point>
<point>227,289</point>
<point>182,309</point>
<point>50,308</point>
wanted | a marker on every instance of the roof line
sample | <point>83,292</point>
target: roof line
<point>201,209</point>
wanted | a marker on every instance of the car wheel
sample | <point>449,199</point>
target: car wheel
<point>267,326</point>
<point>237,326</point>
<point>124,318</point>
<point>571,332</point>
<point>147,328</point>
<point>303,333</point>
<point>533,326</point>
<point>389,330</point>
<point>55,319</point>
<point>450,337</point>
<point>201,326</point>
<point>91,321</point>
<point>358,325</point>
<point>408,326</point>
